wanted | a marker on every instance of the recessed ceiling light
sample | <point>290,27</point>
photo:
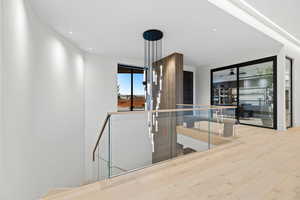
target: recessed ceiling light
<point>90,49</point>
<point>70,32</point>
<point>214,30</point>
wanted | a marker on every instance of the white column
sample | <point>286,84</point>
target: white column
<point>2,178</point>
<point>281,121</point>
<point>203,85</point>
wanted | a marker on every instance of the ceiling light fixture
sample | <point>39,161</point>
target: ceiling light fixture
<point>70,32</point>
<point>153,52</point>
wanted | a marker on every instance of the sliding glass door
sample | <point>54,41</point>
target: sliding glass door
<point>289,92</point>
<point>256,95</point>
<point>252,87</point>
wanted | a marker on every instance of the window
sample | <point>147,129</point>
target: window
<point>131,92</point>
<point>252,87</point>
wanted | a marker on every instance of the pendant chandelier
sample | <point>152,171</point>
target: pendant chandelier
<point>153,53</point>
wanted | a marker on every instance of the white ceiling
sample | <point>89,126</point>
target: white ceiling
<point>285,13</point>
<point>206,35</point>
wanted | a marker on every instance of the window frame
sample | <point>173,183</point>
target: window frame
<point>131,68</point>
<point>245,64</point>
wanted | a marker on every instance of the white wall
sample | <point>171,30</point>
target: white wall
<point>43,106</point>
<point>100,98</point>
<point>2,173</point>
<point>290,49</point>
<point>203,86</point>
<point>131,142</point>
<point>281,117</point>
<point>294,53</point>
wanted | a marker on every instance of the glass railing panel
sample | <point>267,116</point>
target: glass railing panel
<point>102,155</point>
<point>131,146</point>
<point>134,140</point>
<point>223,126</point>
<point>193,131</point>
<point>141,139</point>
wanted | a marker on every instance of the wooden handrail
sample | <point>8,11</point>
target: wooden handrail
<point>101,133</point>
<point>193,105</point>
<point>173,110</point>
<point>152,111</point>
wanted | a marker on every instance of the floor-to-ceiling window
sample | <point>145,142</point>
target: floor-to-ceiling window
<point>131,92</point>
<point>289,92</point>
<point>252,87</point>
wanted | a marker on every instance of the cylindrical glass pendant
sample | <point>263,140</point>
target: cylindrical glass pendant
<point>153,53</point>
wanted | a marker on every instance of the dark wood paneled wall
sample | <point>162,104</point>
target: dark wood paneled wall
<point>169,70</point>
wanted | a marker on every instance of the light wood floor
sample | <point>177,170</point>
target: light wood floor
<point>261,164</point>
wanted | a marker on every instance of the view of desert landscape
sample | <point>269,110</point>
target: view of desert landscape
<point>124,102</point>
<point>131,91</point>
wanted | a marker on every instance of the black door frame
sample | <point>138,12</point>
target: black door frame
<point>245,64</point>
<point>292,94</point>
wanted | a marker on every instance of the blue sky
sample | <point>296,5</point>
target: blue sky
<point>124,81</point>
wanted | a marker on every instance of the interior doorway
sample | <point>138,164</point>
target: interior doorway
<point>188,87</point>
<point>289,92</point>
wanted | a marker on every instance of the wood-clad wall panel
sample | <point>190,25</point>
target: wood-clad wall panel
<point>169,70</point>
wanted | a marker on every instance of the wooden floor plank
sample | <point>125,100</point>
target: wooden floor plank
<point>260,164</point>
